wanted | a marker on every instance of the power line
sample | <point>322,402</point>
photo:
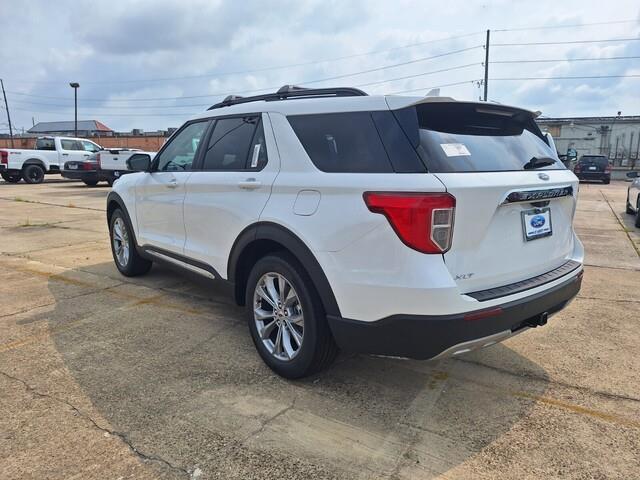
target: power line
<point>548,27</point>
<point>309,82</point>
<point>581,77</point>
<point>570,42</point>
<point>459,67</point>
<point>559,60</point>
<point>434,86</point>
<point>266,69</point>
<point>157,114</point>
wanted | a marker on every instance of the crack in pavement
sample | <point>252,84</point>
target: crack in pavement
<point>122,436</point>
<point>13,199</point>
<point>624,228</point>
<point>270,420</point>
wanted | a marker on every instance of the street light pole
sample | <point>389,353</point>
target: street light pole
<point>75,87</point>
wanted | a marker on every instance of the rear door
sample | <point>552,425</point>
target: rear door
<point>514,199</point>
<point>71,150</point>
<point>230,187</point>
<point>160,194</point>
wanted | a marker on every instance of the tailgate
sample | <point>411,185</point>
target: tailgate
<point>490,245</point>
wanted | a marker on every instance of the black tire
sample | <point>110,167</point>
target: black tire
<point>629,209</point>
<point>318,349</point>
<point>133,265</point>
<point>637,222</point>
<point>110,182</point>
<point>11,177</point>
<point>606,181</point>
<point>90,183</point>
<point>33,174</point>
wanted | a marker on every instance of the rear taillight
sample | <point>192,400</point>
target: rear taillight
<point>423,221</point>
<point>4,157</point>
<point>98,159</point>
<point>607,169</point>
<point>576,169</point>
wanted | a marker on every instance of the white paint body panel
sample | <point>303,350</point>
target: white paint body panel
<point>371,272</point>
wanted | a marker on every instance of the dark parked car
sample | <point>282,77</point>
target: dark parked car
<point>593,168</point>
<point>87,171</point>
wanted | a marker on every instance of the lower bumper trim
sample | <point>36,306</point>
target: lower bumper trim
<point>430,336</point>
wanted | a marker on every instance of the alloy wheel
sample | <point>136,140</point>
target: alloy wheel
<point>278,316</point>
<point>121,242</point>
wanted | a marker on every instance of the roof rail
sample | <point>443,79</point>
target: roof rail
<point>291,91</point>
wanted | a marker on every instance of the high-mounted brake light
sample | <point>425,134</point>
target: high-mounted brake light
<point>423,221</point>
<point>4,157</point>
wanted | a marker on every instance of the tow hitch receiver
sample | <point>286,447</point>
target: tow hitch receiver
<point>538,321</point>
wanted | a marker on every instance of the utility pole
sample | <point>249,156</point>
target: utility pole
<point>486,66</point>
<point>6,105</point>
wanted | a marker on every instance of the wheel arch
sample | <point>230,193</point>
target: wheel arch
<point>34,161</point>
<point>114,202</point>
<point>262,238</point>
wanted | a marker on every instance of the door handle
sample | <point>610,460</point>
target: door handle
<point>65,154</point>
<point>249,184</point>
<point>173,183</point>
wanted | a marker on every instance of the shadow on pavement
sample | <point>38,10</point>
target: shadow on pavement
<point>171,365</point>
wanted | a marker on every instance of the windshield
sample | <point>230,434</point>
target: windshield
<point>465,138</point>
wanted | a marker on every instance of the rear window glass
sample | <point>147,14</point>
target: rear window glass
<point>342,142</point>
<point>45,144</point>
<point>471,138</point>
<point>597,160</point>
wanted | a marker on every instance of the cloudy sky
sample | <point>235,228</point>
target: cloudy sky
<point>152,64</point>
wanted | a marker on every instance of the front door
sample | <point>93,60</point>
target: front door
<point>160,194</point>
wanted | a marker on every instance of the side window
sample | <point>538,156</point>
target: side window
<point>342,142</point>
<point>233,143</point>
<point>45,144</point>
<point>89,147</point>
<point>71,145</point>
<point>181,149</point>
<point>258,150</point>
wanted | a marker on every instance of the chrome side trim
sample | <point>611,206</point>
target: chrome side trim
<point>180,263</point>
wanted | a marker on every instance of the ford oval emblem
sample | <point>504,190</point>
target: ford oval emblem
<point>543,176</point>
<point>538,221</point>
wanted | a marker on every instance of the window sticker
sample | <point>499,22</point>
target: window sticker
<point>256,154</point>
<point>455,150</point>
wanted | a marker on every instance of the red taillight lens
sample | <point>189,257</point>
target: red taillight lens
<point>576,169</point>
<point>4,157</point>
<point>98,160</point>
<point>607,169</point>
<point>423,221</point>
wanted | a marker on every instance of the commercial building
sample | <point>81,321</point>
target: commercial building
<point>617,137</point>
<point>86,128</point>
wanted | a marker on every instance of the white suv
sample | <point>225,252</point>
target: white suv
<point>404,226</point>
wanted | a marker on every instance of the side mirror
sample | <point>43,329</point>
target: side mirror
<point>139,162</point>
<point>633,174</point>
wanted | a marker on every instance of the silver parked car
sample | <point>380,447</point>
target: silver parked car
<point>633,196</point>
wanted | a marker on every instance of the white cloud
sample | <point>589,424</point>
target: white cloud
<point>101,44</point>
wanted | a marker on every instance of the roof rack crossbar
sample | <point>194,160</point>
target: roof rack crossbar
<point>291,91</point>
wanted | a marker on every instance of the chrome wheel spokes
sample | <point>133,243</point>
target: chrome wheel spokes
<point>120,239</point>
<point>278,315</point>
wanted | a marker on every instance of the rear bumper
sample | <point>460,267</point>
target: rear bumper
<point>594,176</point>
<point>428,336</point>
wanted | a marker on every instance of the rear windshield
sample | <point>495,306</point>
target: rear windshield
<point>597,160</point>
<point>471,138</point>
<point>45,144</point>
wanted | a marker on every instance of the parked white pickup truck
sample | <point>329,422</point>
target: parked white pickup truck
<point>49,156</point>
<point>112,163</point>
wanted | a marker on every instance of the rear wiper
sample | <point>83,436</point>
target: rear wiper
<point>537,162</point>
